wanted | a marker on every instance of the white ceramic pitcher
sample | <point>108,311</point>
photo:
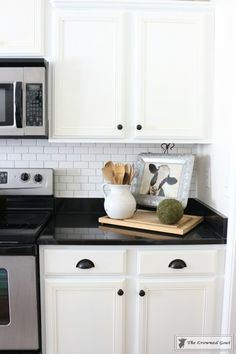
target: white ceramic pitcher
<point>119,202</point>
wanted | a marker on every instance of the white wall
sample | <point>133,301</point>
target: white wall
<point>220,156</point>
<point>214,160</point>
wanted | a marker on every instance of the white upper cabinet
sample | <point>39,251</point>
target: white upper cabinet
<point>21,27</point>
<point>173,65</point>
<point>132,74</point>
<point>88,74</point>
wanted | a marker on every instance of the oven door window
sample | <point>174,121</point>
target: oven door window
<point>4,298</point>
<point>6,104</point>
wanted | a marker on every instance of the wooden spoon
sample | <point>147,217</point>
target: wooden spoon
<point>132,173</point>
<point>127,174</point>
<point>109,164</point>
<point>119,172</point>
<point>108,172</point>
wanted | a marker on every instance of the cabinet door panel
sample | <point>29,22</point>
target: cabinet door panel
<point>83,317</point>
<point>173,74</point>
<point>171,308</point>
<point>88,74</point>
<point>21,29</point>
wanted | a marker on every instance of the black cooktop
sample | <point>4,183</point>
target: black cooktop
<point>22,227</point>
<point>22,218</point>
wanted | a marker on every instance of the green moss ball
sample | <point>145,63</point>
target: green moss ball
<point>170,211</point>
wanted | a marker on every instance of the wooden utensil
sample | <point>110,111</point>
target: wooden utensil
<point>127,174</point>
<point>132,173</point>
<point>108,172</point>
<point>119,172</point>
<point>109,164</point>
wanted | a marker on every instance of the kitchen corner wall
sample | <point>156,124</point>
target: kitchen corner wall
<point>77,167</point>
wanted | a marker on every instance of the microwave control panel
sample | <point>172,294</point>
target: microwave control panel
<point>34,104</point>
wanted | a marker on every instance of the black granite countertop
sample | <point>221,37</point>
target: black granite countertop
<point>75,222</point>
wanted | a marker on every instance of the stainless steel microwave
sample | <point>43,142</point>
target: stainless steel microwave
<point>23,98</point>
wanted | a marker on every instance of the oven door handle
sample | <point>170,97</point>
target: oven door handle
<point>18,104</point>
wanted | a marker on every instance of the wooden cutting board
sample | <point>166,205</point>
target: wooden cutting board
<point>148,220</point>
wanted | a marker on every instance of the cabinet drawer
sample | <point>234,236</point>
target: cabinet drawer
<point>177,262</point>
<point>70,261</point>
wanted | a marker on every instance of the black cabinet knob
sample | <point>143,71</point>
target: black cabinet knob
<point>85,264</point>
<point>119,126</point>
<point>120,292</point>
<point>142,293</point>
<point>139,127</point>
<point>177,264</point>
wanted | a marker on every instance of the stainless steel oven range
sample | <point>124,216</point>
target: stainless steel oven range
<point>26,207</point>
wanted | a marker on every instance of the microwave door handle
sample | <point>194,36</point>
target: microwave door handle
<point>18,104</point>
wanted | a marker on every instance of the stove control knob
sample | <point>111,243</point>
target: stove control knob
<point>25,176</point>
<point>38,178</point>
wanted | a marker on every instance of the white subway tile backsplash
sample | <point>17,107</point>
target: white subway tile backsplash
<point>50,164</point>
<point>44,157</point>
<point>81,150</point>
<point>66,150</point>
<point>73,172</point>
<point>96,179</point>
<point>36,164</point>
<point>7,149</point>
<point>81,179</point>
<point>96,150</point>
<point>65,194</point>
<point>22,149</point>
<point>73,187</point>
<point>58,157</point>
<point>13,142</point>
<point>35,149</point>
<point>65,164</point>
<point>29,157</point>
<point>77,167</point>
<point>66,179</point>
<point>3,156</point>
<point>88,157</point>
<point>103,157</point>
<point>88,187</point>
<point>88,172</point>
<point>6,164</point>
<point>14,157</point>
<point>96,164</point>
<point>22,164</point>
<point>81,164</point>
<point>51,150</point>
<point>73,157</point>
<point>29,142</point>
<point>60,186</point>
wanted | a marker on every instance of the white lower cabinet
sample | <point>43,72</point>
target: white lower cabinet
<point>84,316</point>
<point>169,308</point>
<point>148,296</point>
